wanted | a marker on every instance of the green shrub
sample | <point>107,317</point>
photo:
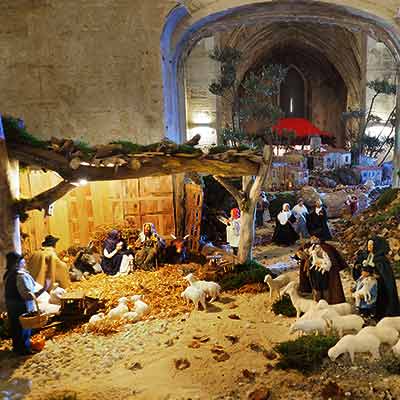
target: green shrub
<point>306,353</point>
<point>284,306</point>
<point>386,198</point>
<point>396,269</point>
<point>84,147</point>
<point>14,132</point>
<point>391,363</point>
<point>252,272</point>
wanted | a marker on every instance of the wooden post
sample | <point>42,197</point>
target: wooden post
<point>9,225</point>
<point>396,151</point>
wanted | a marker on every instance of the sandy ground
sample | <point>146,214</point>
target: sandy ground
<point>224,352</point>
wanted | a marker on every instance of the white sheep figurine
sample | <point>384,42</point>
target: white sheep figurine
<point>393,322</point>
<point>310,326</point>
<point>344,323</point>
<point>385,334</point>
<point>211,289</point>
<point>131,316</point>
<point>276,284</point>
<point>315,313</point>
<point>352,344</point>
<point>56,294</point>
<point>365,292</point>
<point>120,310</point>
<point>95,319</point>
<point>196,295</point>
<point>299,303</point>
<point>141,308</point>
<point>340,308</point>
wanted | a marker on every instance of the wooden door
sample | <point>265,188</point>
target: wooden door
<point>193,206</point>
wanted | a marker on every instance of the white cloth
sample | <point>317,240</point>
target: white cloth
<point>233,232</point>
<point>126,265</point>
<point>284,216</point>
<point>299,210</point>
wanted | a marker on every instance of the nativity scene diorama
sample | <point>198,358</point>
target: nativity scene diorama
<point>266,229</point>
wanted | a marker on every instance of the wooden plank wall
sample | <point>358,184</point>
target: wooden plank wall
<point>78,213</point>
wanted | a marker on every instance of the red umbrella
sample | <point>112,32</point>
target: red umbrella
<point>300,126</point>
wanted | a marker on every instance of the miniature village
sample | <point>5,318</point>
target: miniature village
<point>200,200</point>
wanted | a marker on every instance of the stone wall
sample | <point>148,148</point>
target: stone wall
<point>85,69</point>
<point>201,105</point>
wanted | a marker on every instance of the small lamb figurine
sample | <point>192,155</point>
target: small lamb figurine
<point>211,289</point>
<point>276,284</point>
<point>196,295</point>
<point>300,303</point>
<point>141,308</point>
<point>310,326</point>
<point>120,310</point>
<point>365,291</point>
<point>352,344</point>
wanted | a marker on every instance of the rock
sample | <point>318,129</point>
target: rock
<point>222,357</point>
<point>260,394</point>
<point>181,364</point>
<point>233,316</point>
<point>269,354</point>
<point>232,339</point>
<point>309,195</point>
<point>135,366</point>
<point>335,203</point>
<point>250,375</point>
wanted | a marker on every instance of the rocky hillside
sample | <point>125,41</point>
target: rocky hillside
<point>382,218</point>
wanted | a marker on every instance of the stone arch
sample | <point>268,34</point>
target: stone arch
<point>186,25</point>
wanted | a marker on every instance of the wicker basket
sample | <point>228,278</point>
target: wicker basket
<point>34,322</point>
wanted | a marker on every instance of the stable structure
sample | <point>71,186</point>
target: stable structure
<point>165,201</point>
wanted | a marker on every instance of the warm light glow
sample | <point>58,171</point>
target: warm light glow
<point>201,118</point>
<point>81,182</point>
<point>208,135</point>
<point>376,130</point>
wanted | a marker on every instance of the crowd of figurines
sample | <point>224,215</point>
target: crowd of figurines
<point>375,292</point>
<point>45,270</point>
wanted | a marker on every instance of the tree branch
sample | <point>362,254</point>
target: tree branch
<point>263,172</point>
<point>142,165</point>
<point>42,200</point>
<point>231,189</point>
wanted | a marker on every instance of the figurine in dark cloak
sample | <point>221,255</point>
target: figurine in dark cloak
<point>387,302</point>
<point>325,265</point>
<point>303,261</point>
<point>284,233</point>
<point>317,222</point>
<point>112,254</point>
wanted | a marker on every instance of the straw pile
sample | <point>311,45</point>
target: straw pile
<point>161,289</point>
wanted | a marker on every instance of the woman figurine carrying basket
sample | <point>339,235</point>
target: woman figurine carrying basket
<point>19,287</point>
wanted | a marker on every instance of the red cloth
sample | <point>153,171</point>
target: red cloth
<point>300,126</point>
<point>235,213</point>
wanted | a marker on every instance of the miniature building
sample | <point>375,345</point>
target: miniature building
<point>330,158</point>
<point>372,173</point>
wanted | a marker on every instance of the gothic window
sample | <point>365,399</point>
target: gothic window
<point>292,95</point>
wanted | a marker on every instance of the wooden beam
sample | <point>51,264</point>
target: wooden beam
<point>43,200</point>
<point>154,165</point>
